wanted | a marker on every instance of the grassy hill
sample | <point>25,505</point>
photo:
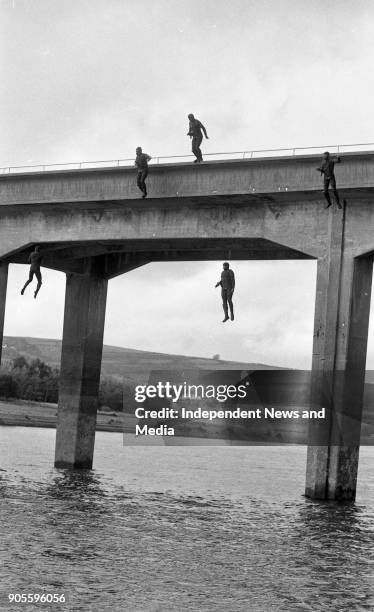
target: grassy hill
<point>122,363</point>
<point>133,367</point>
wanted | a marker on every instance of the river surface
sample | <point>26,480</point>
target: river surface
<point>181,529</point>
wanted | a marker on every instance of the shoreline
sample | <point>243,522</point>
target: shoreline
<point>23,413</point>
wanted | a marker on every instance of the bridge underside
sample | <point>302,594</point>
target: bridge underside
<point>111,258</point>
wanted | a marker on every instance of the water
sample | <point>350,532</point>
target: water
<point>181,529</point>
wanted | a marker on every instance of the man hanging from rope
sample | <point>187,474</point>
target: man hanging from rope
<point>35,259</point>
<point>327,169</point>
<point>141,162</point>
<point>227,284</point>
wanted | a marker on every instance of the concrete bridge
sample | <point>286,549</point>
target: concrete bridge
<point>93,226</point>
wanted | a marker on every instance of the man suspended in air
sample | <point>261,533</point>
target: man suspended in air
<point>35,260</point>
<point>141,162</point>
<point>327,169</point>
<point>227,284</point>
<point>195,132</point>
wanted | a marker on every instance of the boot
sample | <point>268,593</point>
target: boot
<point>225,310</point>
<point>328,200</point>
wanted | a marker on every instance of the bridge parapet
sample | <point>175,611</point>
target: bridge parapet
<point>280,178</point>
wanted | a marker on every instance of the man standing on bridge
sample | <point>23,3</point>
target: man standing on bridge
<point>227,284</point>
<point>141,162</point>
<point>327,169</point>
<point>35,260</point>
<point>196,134</point>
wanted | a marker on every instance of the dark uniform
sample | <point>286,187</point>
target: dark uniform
<point>196,130</point>
<point>35,260</point>
<point>227,283</point>
<point>327,169</point>
<point>141,163</point>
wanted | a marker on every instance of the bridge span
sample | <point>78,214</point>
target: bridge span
<point>93,226</point>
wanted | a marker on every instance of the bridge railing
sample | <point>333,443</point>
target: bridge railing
<point>172,159</point>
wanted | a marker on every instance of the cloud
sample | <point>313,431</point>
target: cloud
<point>87,80</point>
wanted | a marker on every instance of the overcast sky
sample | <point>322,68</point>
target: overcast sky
<point>93,79</point>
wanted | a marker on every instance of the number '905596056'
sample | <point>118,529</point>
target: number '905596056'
<point>36,598</point>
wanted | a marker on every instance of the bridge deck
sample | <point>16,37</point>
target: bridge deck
<point>280,179</point>
<point>266,208</point>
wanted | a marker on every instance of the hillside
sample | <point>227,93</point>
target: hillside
<point>132,365</point>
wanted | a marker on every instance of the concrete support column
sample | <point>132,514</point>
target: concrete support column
<point>82,346</point>
<point>3,289</point>
<point>338,368</point>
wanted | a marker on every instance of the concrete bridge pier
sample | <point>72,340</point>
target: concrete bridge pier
<point>3,290</point>
<point>338,368</point>
<point>82,345</point>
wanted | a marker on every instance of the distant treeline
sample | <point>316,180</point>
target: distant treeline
<point>38,382</point>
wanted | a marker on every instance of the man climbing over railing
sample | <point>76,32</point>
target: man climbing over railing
<point>327,169</point>
<point>227,284</point>
<point>35,260</point>
<point>141,162</point>
<point>195,132</point>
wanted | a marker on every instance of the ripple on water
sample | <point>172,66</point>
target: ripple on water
<point>224,529</point>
